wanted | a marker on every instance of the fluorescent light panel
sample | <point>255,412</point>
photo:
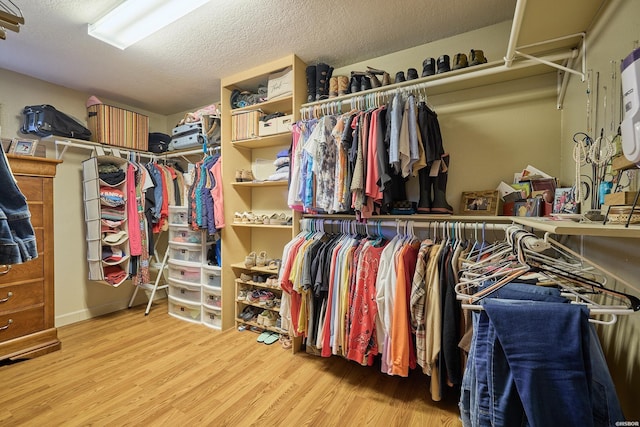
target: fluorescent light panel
<point>133,20</point>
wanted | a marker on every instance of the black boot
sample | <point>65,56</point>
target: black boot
<point>354,84</point>
<point>426,194</point>
<point>311,83</point>
<point>443,64</point>
<point>428,67</point>
<point>323,74</point>
<point>365,83</point>
<point>412,74</point>
<point>440,205</point>
<point>399,77</point>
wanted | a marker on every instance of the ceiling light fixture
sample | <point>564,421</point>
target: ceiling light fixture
<point>133,20</point>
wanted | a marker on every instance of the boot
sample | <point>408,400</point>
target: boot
<point>443,64</point>
<point>343,85</point>
<point>412,74</point>
<point>476,57</point>
<point>426,196</point>
<point>323,75</point>
<point>365,83</point>
<point>333,87</point>
<point>386,79</point>
<point>375,82</point>
<point>311,83</point>
<point>440,205</point>
<point>460,61</point>
<point>428,67</point>
<point>400,77</point>
<point>355,83</point>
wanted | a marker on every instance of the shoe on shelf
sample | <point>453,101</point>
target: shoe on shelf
<point>274,264</point>
<point>476,57</point>
<point>261,259</point>
<point>247,176</point>
<point>239,175</point>
<point>460,61</point>
<point>247,314</point>
<point>428,67</point>
<point>250,260</point>
<point>269,319</point>
<point>242,295</point>
<point>266,296</point>
<point>443,64</point>
<point>253,297</point>
<point>412,74</point>
<point>272,280</point>
<point>247,217</point>
<point>245,277</point>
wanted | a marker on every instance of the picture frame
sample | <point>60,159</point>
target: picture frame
<point>564,201</point>
<point>485,202</point>
<point>23,146</point>
<point>531,207</point>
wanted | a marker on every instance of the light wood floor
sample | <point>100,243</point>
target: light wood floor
<point>129,369</point>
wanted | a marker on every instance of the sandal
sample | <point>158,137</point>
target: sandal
<point>271,338</point>
<point>285,341</point>
<point>261,260</point>
<point>274,264</point>
<point>250,260</point>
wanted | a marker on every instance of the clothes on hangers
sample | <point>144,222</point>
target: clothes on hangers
<point>365,161</point>
<point>205,201</point>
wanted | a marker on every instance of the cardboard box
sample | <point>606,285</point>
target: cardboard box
<point>621,198</point>
<point>118,127</point>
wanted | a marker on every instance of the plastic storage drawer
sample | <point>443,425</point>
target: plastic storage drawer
<point>185,311</point>
<point>212,318</point>
<point>211,297</point>
<point>184,273</point>
<point>211,276</point>
<point>184,292</point>
<point>183,234</point>
<point>185,252</point>
<point>178,215</point>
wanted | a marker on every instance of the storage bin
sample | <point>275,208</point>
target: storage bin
<point>211,276</point>
<point>178,215</point>
<point>211,298</point>
<point>212,318</point>
<point>185,311</point>
<point>185,252</point>
<point>268,127</point>
<point>116,126</point>
<point>180,234</point>
<point>285,123</point>
<point>184,273</point>
<point>184,292</point>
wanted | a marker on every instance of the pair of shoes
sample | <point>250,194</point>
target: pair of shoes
<point>243,217</point>
<point>274,264</point>
<point>247,314</point>
<point>253,297</point>
<point>285,341</point>
<point>266,296</point>
<point>338,86</point>
<point>242,294</point>
<point>250,260</point>
<point>460,61</point>
<point>245,277</point>
<point>272,281</point>
<point>268,337</point>
<point>243,175</point>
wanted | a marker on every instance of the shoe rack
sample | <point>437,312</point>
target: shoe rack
<point>247,200</point>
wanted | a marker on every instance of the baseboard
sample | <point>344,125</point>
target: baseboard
<point>100,310</point>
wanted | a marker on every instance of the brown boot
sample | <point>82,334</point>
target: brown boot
<point>333,87</point>
<point>343,85</point>
<point>375,82</point>
<point>476,57</point>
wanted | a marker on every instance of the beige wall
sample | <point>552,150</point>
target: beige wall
<point>75,297</point>
<point>612,40</point>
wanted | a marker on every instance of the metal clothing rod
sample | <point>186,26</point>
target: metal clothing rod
<point>65,144</point>
<point>518,16</point>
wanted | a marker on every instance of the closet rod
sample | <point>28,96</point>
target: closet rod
<point>65,143</point>
<point>417,224</point>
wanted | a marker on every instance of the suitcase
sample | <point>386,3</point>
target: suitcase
<point>44,120</point>
<point>189,140</point>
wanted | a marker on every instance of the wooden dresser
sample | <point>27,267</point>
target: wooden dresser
<point>27,325</point>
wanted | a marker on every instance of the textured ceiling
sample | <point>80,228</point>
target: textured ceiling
<point>180,67</point>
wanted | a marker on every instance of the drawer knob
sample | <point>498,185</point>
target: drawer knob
<point>9,322</point>
<point>5,268</point>
<point>9,295</point>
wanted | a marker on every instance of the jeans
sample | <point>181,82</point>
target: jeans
<point>535,362</point>
<point>17,239</point>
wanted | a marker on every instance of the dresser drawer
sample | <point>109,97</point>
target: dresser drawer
<point>19,323</point>
<point>31,187</point>
<point>14,297</point>
<point>30,270</point>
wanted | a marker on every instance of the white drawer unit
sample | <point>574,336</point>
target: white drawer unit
<point>212,317</point>
<point>211,276</point>
<point>185,252</point>
<point>184,292</point>
<point>191,312</point>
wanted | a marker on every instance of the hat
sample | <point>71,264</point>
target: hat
<point>112,254</point>
<point>114,236</point>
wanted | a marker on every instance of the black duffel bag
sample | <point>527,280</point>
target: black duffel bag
<point>44,120</point>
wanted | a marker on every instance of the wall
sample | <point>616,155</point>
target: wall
<point>75,298</point>
<point>612,39</point>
